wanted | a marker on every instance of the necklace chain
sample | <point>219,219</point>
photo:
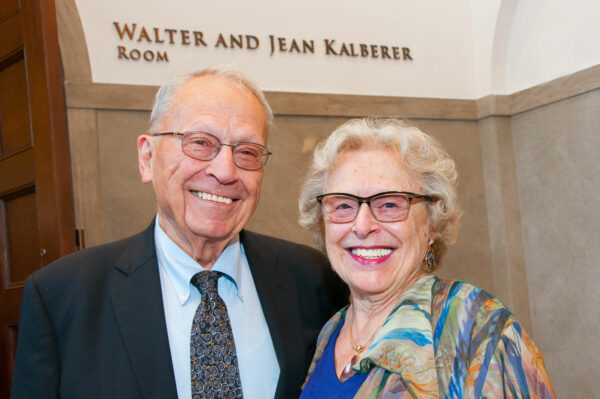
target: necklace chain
<point>359,348</point>
<point>348,371</point>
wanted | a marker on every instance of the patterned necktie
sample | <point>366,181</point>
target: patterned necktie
<point>214,368</point>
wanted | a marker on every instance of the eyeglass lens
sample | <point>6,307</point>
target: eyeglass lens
<point>385,208</point>
<point>205,146</point>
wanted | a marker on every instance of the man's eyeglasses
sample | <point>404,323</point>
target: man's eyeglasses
<point>389,206</point>
<point>204,146</point>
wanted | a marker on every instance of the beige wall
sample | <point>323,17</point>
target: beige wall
<point>123,205</point>
<point>529,187</point>
<point>557,149</point>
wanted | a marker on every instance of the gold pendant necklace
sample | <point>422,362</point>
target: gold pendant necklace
<point>348,371</point>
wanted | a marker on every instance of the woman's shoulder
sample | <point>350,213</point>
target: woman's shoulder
<point>466,316</point>
<point>461,293</point>
<point>462,303</point>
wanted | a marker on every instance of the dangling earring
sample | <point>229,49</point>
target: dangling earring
<point>429,263</point>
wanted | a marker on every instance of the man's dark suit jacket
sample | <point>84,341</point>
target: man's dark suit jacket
<point>93,323</point>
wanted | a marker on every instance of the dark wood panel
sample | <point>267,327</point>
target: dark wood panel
<point>23,246</point>
<point>32,165</point>
<point>8,7</point>
<point>12,332</point>
<point>12,38</point>
<point>17,171</point>
<point>10,303</point>
<point>49,125</point>
<point>15,130</point>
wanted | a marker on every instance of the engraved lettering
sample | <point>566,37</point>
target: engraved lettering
<point>122,52</point>
<point>162,56</point>
<point>221,41</point>
<point>374,51</point>
<point>294,46</point>
<point>272,41</point>
<point>149,55</point>
<point>171,33</point>
<point>125,30</point>
<point>344,50</point>
<point>185,37</point>
<point>199,38</point>
<point>236,41</point>
<point>328,47</point>
<point>282,44</point>
<point>144,35</point>
<point>384,52</point>
<point>135,54</point>
<point>252,42</point>
<point>157,38</point>
<point>364,50</point>
<point>310,46</point>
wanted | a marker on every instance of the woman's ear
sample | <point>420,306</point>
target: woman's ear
<point>431,236</point>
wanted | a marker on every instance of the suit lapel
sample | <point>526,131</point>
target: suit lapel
<point>279,300</point>
<point>137,301</point>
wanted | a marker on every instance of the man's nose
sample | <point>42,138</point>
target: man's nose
<point>222,166</point>
<point>364,223</point>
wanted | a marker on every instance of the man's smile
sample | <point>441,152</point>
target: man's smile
<point>212,197</point>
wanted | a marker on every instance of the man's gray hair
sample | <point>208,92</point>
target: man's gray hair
<point>163,98</point>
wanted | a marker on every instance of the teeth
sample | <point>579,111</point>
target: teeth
<point>371,253</point>
<point>212,197</point>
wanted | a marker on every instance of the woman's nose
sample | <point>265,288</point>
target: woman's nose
<point>364,223</point>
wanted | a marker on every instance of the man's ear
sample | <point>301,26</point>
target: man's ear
<point>144,146</point>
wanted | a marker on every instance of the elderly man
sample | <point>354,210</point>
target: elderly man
<point>193,306</point>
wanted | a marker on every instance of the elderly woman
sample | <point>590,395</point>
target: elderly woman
<point>381,197</point>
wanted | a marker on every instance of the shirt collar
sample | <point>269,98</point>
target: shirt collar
<point>180,267</point>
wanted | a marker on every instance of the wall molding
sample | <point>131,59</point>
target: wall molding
<point>88,95</point>
<point>556,90</point>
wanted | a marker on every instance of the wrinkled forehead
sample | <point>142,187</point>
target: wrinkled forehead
<point>369,170</point>
<point>209,89</point>
<point>221,99</point>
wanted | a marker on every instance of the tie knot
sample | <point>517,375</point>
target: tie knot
<point>206,281</point>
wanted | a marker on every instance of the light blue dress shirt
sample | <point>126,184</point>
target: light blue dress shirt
<point>259,370</point>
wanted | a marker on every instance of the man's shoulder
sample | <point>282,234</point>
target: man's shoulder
<point>280,246</point>
<point>322,291</point>
<point>97,259</point>
<point>301,261</point>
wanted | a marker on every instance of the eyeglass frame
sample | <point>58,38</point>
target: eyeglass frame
<point>367,200</point>
<point>265,154</point>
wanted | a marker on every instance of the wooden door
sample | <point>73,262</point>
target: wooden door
<point>36,211</point>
